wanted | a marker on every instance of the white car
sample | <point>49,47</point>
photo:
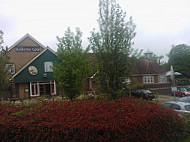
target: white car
<point>181,107</point>
<point>185,99</point>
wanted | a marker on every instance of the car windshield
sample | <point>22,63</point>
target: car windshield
<point>184,99</point>
<point>187,88</point>
<point>147,91</point>
<point>182,89</point>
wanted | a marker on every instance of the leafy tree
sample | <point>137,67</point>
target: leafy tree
<point>112,47</point>
<point>179,58</point>
<point>4,75</point>
<point>73,68</point>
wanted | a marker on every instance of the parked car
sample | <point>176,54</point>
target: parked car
<point>181,107</point>
<point>185,99</point>
<point>181,92</point>
<point>187,88</point>
<point>143,93</point>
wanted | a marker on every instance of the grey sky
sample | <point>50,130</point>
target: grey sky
<point>160,23</point>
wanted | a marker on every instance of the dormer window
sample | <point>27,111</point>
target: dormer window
<point>10,68</point>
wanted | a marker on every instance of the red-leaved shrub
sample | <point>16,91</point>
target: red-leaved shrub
<point>127,120</point>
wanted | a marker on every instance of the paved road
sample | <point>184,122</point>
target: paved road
<point>163,98</point>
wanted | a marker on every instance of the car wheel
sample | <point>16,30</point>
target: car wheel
<point>182,95</point>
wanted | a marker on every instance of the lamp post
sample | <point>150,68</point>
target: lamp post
<point>172,74</point>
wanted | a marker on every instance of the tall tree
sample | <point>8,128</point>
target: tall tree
<point>4,74</point>
<point>179,58</point>
<point>112,47</point>
<point>73,68</point>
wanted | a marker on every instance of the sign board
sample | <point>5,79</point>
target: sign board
<point>27,49</point>
<point>174,89</point>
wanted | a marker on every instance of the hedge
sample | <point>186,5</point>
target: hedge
<point>127,120</point>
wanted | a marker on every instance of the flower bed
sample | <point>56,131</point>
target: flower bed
<point>92,121</point>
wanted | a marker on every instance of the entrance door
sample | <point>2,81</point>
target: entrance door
<point>44,89</point>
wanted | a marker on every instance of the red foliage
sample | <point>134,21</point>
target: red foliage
<point>121,120</point>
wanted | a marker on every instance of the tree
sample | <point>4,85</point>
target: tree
<point>112,47</point>
<point>73,68</point>
<point>179,58</point>
<point>4,75</point>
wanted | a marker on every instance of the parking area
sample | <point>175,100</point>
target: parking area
<point>164,98</point>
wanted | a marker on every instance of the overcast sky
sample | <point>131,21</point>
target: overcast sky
<point>160,23</point>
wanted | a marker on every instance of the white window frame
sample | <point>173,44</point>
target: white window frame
<point>54,91</point>
<point>10,68</point>
<point>48,66</point>
<point>148,79</point>
<point>162,79</point>
<point>36,89</point>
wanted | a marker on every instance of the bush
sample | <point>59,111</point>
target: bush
<point>125,120</point>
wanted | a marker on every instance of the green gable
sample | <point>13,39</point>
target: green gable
<point>25,76</point>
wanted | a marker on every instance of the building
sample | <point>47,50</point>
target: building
<point>32,74</point>
<point>31,66</point>
<point>151,75</point>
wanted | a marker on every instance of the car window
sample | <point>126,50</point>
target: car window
<point>182,89</point>
<point>184,99</point>
<point>188,89</point>
<point>175,106</point>
<point>167,104</point>
<point>187,107</point>
<point>147,91</point>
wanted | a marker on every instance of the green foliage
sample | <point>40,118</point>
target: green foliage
<point>186,132</point>
<point>73,68</point>
<point>134,85</point>
<point>136,53</point>
<point>4,75</point>
<point>179,57</point>
<point>182,81</point>
<point>112,47</point>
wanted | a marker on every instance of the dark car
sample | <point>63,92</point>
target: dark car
<point>143,93</point>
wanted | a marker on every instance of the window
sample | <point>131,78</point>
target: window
<point>10,68</point>
<point>187,107</point>
<point>175,106</point>
<point>34,89</point>
<point>48,66</point>
<point>148,79</point>
<point>167,104</point>
<point>162,79</point>
<point>53,87</point>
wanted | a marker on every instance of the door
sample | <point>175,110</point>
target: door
<point>44,89</point>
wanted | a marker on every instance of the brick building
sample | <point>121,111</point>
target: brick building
<point>32,74</point>
<point>151,75</point>
<point>31,66</point>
